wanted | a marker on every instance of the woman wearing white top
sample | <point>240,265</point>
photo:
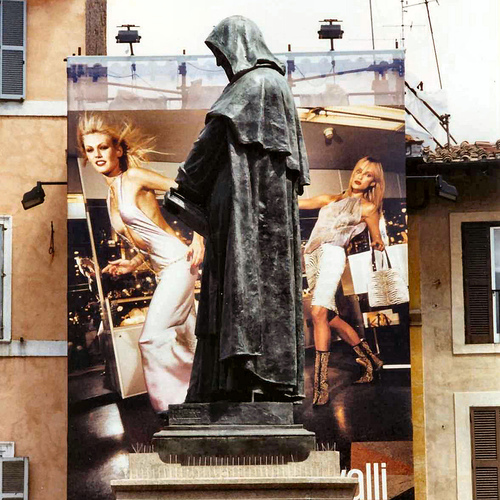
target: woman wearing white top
<point>341,218</point>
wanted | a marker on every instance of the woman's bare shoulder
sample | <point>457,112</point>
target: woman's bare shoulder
<point>135,173</point>
<point>368,207</point>
<point>138,176</point>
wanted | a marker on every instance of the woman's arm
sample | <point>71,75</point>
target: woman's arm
<point>123,266</point>
<point>372,220</point>
<point>316,202</point>
<point>147,179</point>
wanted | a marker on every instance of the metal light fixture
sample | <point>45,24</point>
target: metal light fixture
<point>128,36</point>
<point>330,31</point>
<point>442,189</point>
<point>446,190</point>
<point>37,195</point>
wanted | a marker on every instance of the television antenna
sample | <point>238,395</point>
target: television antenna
<point>426,3</point>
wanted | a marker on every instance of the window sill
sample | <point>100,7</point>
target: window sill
<point>28,348</point>
<point>461,349</point>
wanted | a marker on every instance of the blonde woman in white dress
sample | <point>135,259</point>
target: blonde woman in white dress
<point>167,341</point>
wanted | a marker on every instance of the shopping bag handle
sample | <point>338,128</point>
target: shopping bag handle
<point>374,263</point>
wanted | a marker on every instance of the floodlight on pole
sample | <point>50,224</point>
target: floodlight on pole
<point>128,36</point>
<point>330,31</point>
<point>36,196</point>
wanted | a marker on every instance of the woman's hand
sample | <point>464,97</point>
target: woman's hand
<point>120,266</point>
<point>196,250</point>
<point>378,244</point>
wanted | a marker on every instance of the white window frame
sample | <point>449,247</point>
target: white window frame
<point>457,283</point>
<point>6,227</point>
<point>496,297</point>
<point>19,495</point>
<point>464,401</point>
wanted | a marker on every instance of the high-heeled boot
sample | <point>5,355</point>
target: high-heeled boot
<point>376,361</point>
<point>368,360</point>
<point>320,394</point>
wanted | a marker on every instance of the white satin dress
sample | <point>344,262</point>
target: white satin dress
<point>167,341</point>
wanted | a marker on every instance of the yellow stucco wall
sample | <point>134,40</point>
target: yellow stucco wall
<point>55,30</point>
<point>444,372</point>
<point>33,149</point>
<point>33,414</point>
<point>33,398</point>
<point>417,362</point>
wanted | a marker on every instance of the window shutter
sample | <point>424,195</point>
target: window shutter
<point>14,478</point>
<point>12,49</point>
<point>485,427</point>
<point>478,300</point>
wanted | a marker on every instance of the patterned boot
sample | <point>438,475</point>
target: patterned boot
<point>320,395</point>
<point>376,361</point>
<point>367,360</point>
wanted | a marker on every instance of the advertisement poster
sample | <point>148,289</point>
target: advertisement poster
<point>351,107</point>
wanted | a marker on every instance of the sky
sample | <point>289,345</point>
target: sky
<point>466,35</point>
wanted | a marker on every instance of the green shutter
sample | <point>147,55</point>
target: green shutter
<point>478,299</point>
<point>12,49</point>
<point>485,426</point>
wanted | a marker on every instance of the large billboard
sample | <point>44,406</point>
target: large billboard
<point>123,372</point>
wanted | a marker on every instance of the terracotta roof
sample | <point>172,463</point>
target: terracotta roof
<point>478,151</point>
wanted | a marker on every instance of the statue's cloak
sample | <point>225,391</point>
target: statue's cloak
<point>247,168</point>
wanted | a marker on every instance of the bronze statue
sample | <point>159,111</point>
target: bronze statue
<point>246,170</point>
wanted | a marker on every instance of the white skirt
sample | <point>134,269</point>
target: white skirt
<point>167,341</point>
<point>324,268</point>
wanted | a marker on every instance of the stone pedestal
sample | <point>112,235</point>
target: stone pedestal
<point>223,451</point>
<point>260,430</point>
<point>318,477</point>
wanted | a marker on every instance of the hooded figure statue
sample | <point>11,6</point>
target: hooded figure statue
<point>246,169</point>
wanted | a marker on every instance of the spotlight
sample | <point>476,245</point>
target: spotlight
<point>331,31</point>
<point>418,194</point>
<point>34,197</point>
<point>328,133</point>
<point>445,190</point>
<point>128,36</point>
<point>37,195</point>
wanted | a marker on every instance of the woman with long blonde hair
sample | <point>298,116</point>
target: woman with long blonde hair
<point>167,341</point>
<point>341,217</point>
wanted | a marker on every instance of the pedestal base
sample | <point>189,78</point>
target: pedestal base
<point>204,430</point>
<point>318,477</point>
<point>183,443</point>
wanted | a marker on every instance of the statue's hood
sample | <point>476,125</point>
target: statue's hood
<point>241,42</point>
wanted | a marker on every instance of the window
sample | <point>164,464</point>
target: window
<point>485,424</point>
<point>5,276</point>
<point>481,268</point>
<point>14,478</point>
<point>12,49</point>
<point>477,436</point>
<point>475,282</point>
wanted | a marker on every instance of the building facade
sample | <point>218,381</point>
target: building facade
<point>454,268</point>
<point>33,398</point>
